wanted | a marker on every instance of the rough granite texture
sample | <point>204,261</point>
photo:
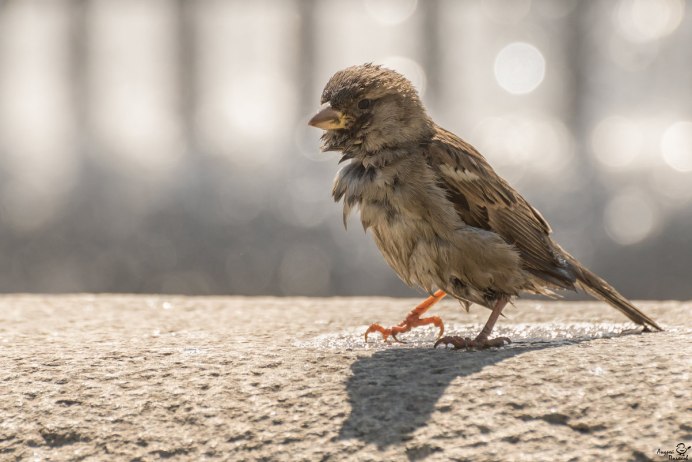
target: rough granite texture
<point>108,377</point>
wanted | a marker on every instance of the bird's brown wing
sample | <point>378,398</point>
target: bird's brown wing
<point>484,200</point>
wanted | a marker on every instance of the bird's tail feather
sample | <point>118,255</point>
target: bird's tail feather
<point>599,288</point>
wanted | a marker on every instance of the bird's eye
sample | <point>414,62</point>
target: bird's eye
<point>364,104</point>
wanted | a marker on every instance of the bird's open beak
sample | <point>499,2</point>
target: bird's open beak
<point>328,118</point>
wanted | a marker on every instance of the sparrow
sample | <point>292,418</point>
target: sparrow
<point>442,218</point>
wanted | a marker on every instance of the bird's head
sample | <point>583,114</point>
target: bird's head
<point>367,108</point>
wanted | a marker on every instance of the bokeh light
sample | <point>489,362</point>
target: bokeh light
<point>676,146</point>
<point>519,68</point>
<point>630,56</point>
<point>617,142</point>
<point>254,103</point>
<point>235,119</point>
<point>630,217</point>
<point>519,145</point>
<point>675,190</point>
<point>647,20</point>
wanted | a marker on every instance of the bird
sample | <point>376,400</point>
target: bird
<point>440,215</point>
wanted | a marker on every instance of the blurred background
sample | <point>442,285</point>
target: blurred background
<point>162,145</point>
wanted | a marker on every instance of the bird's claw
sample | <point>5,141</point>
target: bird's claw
<point>456,341</point>
<point>477,343</point>
<point>396,339</point>
<point>386,333</point>
<point>378,328</point>
<point>405,326</point>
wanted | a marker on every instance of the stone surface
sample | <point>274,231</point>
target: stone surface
<point>107,377</point>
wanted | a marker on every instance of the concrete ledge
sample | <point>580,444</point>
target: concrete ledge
<point>111,377</point>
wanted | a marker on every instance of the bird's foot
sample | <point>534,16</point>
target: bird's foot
<point>406,325</point>
<point>479,343</point>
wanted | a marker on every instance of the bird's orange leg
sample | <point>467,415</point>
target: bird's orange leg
<point>481,341</point>
<point>412,320</point>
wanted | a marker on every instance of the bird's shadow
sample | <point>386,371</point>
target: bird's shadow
<point>393,392</point>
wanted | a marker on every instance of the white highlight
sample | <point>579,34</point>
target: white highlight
<point>648,20</point>
<point>459,175</point>
<point>514,142</point>
<point>617,142</point>
<point>519,68</point>
<point>676,146</point>
<point>630,217</point>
